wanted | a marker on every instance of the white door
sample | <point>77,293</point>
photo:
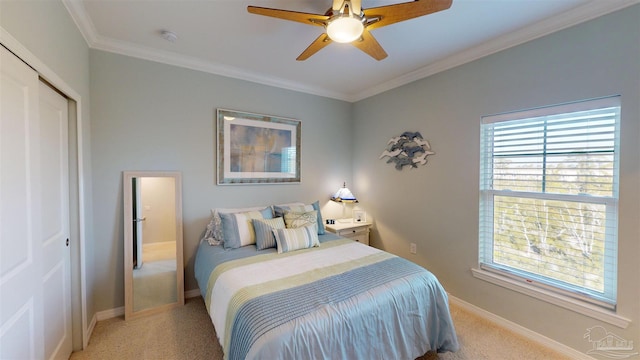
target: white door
<point>21,312</point>
<point>34,217</point>
<point>56,272</point>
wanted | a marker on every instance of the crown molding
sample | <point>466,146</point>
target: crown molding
<point>76,9</point>
<point>95,41</point>
<point>193,63</point>
<point>589,11</point>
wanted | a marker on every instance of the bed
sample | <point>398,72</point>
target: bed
<point>334,299</point>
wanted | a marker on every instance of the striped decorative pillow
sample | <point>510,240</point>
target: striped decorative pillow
<point>237,228</point>
<point>214,235</point>
<point>296,239</point>
<point>264,231</point>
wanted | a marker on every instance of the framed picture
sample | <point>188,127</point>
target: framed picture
<point>257,149</point>
<point>359,216</point>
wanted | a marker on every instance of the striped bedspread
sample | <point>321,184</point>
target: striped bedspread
<point>342,300</point>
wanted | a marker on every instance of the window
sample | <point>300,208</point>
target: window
<point>288,160</point>
<point>549,198</point>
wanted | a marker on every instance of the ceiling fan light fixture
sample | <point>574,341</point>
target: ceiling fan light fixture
<point>345,28</point>
<point>347,22</point>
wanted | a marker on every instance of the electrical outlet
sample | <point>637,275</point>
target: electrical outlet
<point>413,248</point>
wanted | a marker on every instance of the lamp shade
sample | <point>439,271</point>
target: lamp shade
<point>344,195</point>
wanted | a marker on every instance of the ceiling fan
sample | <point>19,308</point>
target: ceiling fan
<point>347,22</point>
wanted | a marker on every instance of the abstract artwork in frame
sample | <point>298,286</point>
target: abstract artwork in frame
<point>257,149</point>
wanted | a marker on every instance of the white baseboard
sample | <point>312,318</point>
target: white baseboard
<point>111,313</point>
<point>119,311</point>
<point>191,293</point>
<point>89,331</point>
<point>520,330</point>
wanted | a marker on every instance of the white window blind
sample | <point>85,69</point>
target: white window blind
<point>549,198</point>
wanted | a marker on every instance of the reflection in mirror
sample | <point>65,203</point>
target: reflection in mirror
<point>154,270</point>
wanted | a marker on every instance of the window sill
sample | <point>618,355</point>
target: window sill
<point>556,299</point>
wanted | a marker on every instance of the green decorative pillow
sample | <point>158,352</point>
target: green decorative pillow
<point>264,231</point>
<point>293,219</point>
<point>296,239</point>
<point>237,228</point>
<point>280,210</point>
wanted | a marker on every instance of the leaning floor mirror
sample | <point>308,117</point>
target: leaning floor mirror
<point>153,258</point>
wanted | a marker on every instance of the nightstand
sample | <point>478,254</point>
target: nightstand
<point>358,231</point>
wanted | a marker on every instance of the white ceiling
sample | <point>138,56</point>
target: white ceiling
<point>221,37</point>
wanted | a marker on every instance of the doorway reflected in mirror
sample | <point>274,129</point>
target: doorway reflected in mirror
<point>153,242</point>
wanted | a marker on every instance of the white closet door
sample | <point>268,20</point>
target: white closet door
<point>56,272</point>
<point>35,303</point>
<point>21,294</point>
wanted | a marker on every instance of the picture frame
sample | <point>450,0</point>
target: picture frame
<point>359,216</point>
<point>257,149</point>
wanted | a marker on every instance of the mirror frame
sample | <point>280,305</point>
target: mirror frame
<point>127,188</point>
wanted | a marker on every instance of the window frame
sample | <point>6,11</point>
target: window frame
<point>569,297</point>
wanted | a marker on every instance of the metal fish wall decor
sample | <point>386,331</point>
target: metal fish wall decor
<point>409,149</point>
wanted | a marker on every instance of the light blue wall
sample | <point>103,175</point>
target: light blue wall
<point>151,116</point>
<point>436,206</point>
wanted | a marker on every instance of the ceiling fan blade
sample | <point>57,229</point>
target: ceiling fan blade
<point>337,5</point>
<point>319,43</point>
<point>370,45</point>
<point>392,14</point>
<point>305,18</point>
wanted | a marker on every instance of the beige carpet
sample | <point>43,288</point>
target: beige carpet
<point>187,333</point>
<point>154,283</point>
